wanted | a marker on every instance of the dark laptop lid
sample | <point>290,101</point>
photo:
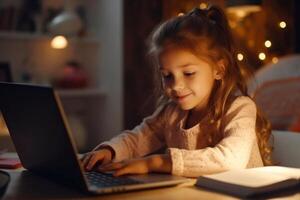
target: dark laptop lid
<point>38,128</point>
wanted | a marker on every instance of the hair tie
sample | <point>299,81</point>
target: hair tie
<point>212,21</point>
<point>195,11</point>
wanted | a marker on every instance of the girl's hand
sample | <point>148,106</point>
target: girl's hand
<point>92,159</point>
<point>154,163</point>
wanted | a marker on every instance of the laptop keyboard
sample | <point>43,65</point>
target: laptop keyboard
<point>107,180</point>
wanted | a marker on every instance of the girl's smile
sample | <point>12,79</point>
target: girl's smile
<point>182,97</point>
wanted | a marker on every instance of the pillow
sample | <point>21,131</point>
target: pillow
<point>279,101</point>
<point>286,148</point>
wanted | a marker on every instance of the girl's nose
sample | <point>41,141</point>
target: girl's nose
<point>178,84</point>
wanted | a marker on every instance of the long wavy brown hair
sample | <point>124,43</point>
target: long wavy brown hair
<point>205,32</point>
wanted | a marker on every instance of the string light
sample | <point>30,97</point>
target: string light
<point>203,6</point>
<point>262,56</point>
<point>282,24</point>
<point>59,42</point>
<point>240,56</point>
<point>268,43</point>
<point>274,60</point>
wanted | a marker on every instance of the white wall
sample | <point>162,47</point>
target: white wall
<point>110,30</point>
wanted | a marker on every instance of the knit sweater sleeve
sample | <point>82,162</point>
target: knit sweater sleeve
<point>142,140</point>
<point>232,152</point>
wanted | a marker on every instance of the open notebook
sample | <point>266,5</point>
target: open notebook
<point>251,182</point>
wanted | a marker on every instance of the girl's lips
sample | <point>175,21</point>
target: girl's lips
<point>181,98</point>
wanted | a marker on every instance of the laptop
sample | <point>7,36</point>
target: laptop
<point>39,130</point>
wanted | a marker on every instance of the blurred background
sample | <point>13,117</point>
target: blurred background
<point>94,53</point>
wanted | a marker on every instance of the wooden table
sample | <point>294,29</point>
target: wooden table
<point>25,185</point>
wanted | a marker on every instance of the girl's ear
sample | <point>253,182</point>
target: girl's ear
<point>220,70</point>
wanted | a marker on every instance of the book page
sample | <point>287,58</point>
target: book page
<point>256,177</point>
<point>284,171</point>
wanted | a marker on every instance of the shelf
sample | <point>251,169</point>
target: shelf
<point>69,93</point>
<point>37,36</point>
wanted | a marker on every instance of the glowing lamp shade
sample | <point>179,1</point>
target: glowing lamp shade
<point>243,7</point>
<point>59,42</point>
<point>68,22</point>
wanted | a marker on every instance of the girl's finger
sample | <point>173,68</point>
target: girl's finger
<point>111,166</point>
<point>105,161</point>
<point>93,160</point>
<point>124,170</point>
<point>86,159</point>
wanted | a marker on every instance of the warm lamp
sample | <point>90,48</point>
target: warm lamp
<point>59,42</point>
<point>241,8</point>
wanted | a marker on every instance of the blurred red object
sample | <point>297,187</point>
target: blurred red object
<point>73,76</point>
<point>10,163</point>
<point>295,126</point>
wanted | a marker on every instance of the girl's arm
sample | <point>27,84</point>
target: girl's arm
<point>232,152</point>
<point>142,140</point>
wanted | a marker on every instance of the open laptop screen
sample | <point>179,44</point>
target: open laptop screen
<point>38,129</point>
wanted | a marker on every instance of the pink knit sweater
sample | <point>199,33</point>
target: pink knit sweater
<point>190,154</point>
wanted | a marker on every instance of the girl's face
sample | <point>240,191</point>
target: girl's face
<point>187,79</point>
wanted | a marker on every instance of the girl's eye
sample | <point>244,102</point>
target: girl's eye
<point>167,76</point>
<point>189,73</point>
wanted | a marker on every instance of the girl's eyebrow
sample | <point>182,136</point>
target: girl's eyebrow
<point>181,66</point>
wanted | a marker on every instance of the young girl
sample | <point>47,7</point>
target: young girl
<point>205,119</point>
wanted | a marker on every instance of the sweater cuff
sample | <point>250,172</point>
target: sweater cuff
<point>177,161</point>
<point>115,148</point>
